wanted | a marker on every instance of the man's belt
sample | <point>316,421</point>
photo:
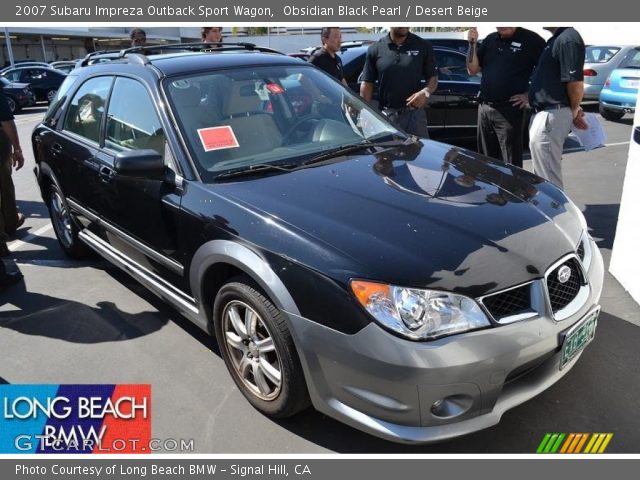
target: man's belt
<point>546,108</point>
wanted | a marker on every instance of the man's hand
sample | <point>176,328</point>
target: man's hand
<point>472,35</point>
<point>578,119</point>
<point>418,99</point>
<point>18,159</point>
<point>520,100</point>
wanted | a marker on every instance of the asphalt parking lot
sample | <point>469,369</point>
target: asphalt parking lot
<point>86,322</point>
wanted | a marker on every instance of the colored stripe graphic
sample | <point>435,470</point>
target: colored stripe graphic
<point>574,443</point>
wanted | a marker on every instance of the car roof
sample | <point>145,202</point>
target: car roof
<point>184,62</point>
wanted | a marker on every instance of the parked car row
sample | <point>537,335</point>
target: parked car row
<point>19,95</point>
<point>44,81</point>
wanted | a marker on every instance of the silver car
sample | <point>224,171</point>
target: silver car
<point>599,62</point>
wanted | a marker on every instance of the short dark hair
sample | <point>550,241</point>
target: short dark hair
<point>325,33</point>
<point>137,31</point>
<point>205,30</point>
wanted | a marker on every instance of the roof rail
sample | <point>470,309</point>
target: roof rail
<point>139,55</point>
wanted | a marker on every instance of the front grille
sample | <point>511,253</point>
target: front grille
<point>580,250</point>
<point>510,302</point>
<point>562,294</point>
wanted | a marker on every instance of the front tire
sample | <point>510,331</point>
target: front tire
<point>258,350</point>
<point>64,225</point>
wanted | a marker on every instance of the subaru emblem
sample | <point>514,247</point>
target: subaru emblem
<point>564,274</point>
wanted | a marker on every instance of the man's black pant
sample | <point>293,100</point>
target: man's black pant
<point>500,132</point>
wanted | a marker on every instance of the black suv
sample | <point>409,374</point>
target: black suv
<point>409,288</point>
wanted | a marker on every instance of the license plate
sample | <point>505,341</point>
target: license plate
<point>579,337</point>
<point>630,83</point>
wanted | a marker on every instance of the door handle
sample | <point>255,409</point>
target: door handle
<point>56,149</point>
<point>106,174</point>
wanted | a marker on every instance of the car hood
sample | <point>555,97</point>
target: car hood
<point>424,215</point>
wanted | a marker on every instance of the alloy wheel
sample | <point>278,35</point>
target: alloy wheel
<point>252,350</point>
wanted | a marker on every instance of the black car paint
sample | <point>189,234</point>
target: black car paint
<point>369,215</point>
<point>18,94</point>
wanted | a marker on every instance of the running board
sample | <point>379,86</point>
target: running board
<point>178,299</point>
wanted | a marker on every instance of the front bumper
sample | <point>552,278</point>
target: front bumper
<point>386,386</point>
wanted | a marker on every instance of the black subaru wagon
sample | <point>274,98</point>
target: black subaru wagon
<point>406,287</point>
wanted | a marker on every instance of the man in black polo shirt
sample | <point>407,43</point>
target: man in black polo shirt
<point>399,62</point>
<point>325,58</point>
<point>506,58</point>
<point>10,156</point>
<point>555,94</point>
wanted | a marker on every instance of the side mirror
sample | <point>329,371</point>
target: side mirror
<point>636,135</point>
<point>140,163</point>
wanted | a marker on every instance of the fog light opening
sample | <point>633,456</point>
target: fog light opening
<point>451,406</point>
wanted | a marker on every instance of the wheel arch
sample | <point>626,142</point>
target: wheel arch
<point>217,261</point>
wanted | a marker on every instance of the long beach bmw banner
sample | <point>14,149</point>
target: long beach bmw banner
<point>75,419</point>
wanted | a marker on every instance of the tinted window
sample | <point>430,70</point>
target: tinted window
<point>86,109</point>
<point>452,67</point>
<point>132,123</point>
<point>600,54</point>
<point>12,76</point>
<point>60,96</point>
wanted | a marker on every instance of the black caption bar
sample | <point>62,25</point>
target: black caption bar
<point>260,11</point>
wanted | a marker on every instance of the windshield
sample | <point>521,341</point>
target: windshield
<point>239,118</point>
<point>600,54</point>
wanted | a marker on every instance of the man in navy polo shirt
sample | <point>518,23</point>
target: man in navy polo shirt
<point>506,59</point>
<point>555,94</point>
<point>399,62</point>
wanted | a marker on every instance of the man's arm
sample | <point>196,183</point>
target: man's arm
<point>473,62</point>
<point>9,127</point>
<point>366,91</point>
<point>575,91</point>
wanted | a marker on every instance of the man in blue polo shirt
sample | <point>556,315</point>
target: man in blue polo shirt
<point>399,62</point>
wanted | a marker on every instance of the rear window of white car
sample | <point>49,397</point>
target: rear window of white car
<point>600,54</point>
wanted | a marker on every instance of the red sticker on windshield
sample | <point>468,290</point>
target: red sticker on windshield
<point>217,138</point>
<point>274,88</point>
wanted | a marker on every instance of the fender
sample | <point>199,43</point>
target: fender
<point>243,258</point>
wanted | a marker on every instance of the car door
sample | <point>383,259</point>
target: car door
<point>73,148</point>
<point>456,97</point>
<point>140,214</point>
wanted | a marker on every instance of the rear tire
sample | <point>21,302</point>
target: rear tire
<point>611,115</point>
<point>64,225</point>
<point>258,350</point>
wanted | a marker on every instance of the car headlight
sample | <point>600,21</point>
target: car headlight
<point>419,314</point>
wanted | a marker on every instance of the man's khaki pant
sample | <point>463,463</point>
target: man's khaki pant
<point>549,129</point>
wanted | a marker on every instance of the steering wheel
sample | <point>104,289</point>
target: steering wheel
<point>296,128</point>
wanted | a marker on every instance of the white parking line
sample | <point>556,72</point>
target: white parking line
<point>580,149</point>
<point>17,244</point>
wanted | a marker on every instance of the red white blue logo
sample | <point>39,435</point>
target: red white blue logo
<point>75,418</point>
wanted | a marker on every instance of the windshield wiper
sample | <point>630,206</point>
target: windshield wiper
<point>343,150</point>
<point>258,169</point>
